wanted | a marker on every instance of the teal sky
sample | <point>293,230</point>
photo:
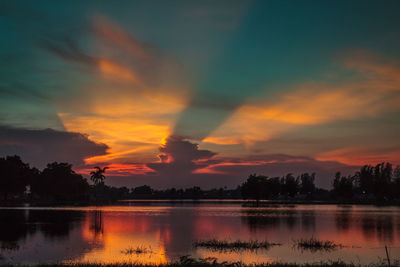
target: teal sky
<point>261,86</point>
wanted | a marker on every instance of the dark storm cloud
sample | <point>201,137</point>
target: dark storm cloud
<point>39,147</point>
<point>181,150</point>
<point>183,164</point>
<point>178,159</point>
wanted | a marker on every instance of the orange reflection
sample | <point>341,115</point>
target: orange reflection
<point>118,236</point>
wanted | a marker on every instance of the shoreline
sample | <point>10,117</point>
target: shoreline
<point>242,203</point>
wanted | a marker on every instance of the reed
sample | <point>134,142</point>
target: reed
<point>313,244</point>
<point>224,245</point>
<point>137,250</point>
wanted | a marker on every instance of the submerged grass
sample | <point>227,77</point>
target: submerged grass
<point>137,250</point>
<point>313,244</point>
<point>223,245</point>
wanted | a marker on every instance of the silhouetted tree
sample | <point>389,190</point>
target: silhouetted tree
<point>290,185</point>
<point>142,190</point>
<point>375,180</point>
<point>59,182</point>
<point>98,176</point>
<point>307,185</point>
<point>343,186</point>
<point>382,179</point>
<point>396,183</point>
<point>193,193</point>
<point>254,188</point>
<point>272,187</point>
<point>365,179</point>
<point>14,176</point>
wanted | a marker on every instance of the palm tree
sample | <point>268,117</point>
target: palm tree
<point>97,176</point>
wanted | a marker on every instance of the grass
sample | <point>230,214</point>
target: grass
<point>137,250</point>
<point>313,244</point>
<point>223,245</point>
<point>211,262</point>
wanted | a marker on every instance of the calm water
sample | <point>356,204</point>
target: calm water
<point>167,231</point>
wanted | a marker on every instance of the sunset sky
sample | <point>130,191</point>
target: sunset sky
<point>184,93</point>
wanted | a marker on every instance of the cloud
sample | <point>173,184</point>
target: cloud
<point>235,170</point>
<point>39,147</point>
<point>119,169</point>
<point>179,158</point>
<point>68,50</point>
<point>361,155</point>
<point>183,164</point>
<point>177,149</point>
<point>214,171</point>
<point>133,96</point>
<point>112,33</point>
<point>373,89</point>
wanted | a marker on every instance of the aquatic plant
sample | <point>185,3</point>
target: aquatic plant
<point>313,244</point>
<point>223,245</point>
<point>137,250</point>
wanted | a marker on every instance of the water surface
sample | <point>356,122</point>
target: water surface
<point>167,231</point>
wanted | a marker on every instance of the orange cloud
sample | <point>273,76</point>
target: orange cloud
<point>116,71</point>
<point>133,104</point>
<point>126,135</point>
<point>212,168</point>
<point>357,155</point>
<point>111,32</point>
<point>374,91</point>
<point>121,169</point>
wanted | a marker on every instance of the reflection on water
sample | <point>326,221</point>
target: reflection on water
<point>97,222</point>
<point>164,232</point>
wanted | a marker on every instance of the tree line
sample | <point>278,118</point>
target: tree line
<point>374,183</point>
<point>59,183</point>
<point>56,182</point>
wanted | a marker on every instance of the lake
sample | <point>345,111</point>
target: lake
<point>165,231</point>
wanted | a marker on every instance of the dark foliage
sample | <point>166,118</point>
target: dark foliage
<point>371,183</point>
<point>343,186</point>
<point>142,190</point>
<point>15,175</point>
<point>59,182</point>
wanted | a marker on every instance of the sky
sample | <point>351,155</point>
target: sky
<point>185,93</point>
